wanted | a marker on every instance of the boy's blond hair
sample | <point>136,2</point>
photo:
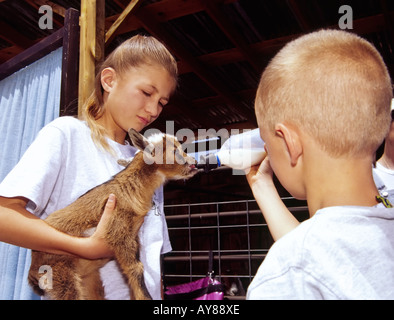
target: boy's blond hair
<point>134,52</point>
<point>335,86</point>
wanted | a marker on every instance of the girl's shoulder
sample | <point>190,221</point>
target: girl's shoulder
<point>67,122</point>
<point>68,125</point>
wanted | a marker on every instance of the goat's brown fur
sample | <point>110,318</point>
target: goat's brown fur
<point>76,278</point>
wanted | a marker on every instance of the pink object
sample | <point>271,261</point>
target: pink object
<point>202,289</point>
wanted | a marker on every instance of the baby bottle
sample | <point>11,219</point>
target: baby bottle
<point>240,151</point>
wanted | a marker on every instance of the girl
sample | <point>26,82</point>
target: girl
<point>70,156</point>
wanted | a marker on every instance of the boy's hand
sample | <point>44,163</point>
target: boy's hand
<point>260,173</point>
<point>279,219</point>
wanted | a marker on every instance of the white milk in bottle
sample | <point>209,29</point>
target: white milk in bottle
<point>240,152</point>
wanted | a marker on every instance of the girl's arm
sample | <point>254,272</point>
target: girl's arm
<point>279,219</point>
<point>21,228</point>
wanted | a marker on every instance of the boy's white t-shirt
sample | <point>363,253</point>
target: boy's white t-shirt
<point>340,253</point>
<point>62,164</point>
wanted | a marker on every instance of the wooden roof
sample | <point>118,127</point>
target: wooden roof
<point>222,45</point>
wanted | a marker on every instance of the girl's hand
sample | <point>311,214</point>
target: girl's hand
<point>98,247</point>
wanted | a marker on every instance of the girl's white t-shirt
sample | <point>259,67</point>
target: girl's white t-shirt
<point>62,164</point>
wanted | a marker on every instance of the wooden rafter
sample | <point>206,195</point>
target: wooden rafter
<point>153,27</point>
<point>157,17</point>
<point>55,8</point>
<point>216,13</point>
<point>297,12</point>
<point>110,34</point>
<point>14,37</point>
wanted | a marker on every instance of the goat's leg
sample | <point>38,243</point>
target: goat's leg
<point>92,287</point>
<point>135,277</point>
<point>134,271</point>
<point>91,283</point>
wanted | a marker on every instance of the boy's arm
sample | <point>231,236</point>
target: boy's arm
<point>21,228</point>
<point>279,219</point>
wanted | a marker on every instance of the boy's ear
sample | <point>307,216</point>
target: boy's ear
<point>292,140</point>
<point>108,76</point>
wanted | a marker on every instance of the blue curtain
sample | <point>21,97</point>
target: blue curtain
<point>29,99</point>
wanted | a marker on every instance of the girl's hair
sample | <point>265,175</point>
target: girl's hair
<point>335,86</point>
<point>134,52</point>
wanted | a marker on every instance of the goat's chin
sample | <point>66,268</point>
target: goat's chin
<point>187,173</point>
<point>191,174</point>
<point>192,170</point>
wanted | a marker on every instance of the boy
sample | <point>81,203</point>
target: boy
<point>323,108</point>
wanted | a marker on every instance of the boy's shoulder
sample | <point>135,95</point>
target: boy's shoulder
<point>335,246</point>
<point>335,226</point>
<point>332,232</point>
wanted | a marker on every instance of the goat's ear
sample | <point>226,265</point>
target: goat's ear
<point>140,142</point>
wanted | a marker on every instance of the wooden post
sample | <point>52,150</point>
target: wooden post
<point>91,47</point>
<point>69,92</point>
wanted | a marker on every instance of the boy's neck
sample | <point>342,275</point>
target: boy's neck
<point>340,182</point>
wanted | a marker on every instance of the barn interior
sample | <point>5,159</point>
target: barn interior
<point>222,47</point>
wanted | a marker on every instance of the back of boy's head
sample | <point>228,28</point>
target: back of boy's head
<point>333,85</point>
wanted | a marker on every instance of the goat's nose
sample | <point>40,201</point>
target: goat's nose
<point>191,160</point>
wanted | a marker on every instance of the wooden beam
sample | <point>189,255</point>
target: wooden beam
<point>56,8</point>
<point>267,48</point>
<point>13,36</point>
<point>166,10</point>
<point>388,20</point>
<point>120,20</point>
<point>69,92</point>
<point>100,32</point>
<point>32,54</point>
<point>297,13</point>
<point>215,11</point>
<point>90,49</point>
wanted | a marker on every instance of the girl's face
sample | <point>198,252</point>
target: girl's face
<point>134,99</point>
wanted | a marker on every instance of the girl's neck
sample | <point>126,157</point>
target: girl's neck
<point>113,132</point>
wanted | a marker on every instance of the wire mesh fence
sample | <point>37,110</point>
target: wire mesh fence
<point>235,232</point>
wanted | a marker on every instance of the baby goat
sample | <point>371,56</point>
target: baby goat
<point>161,159</point>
